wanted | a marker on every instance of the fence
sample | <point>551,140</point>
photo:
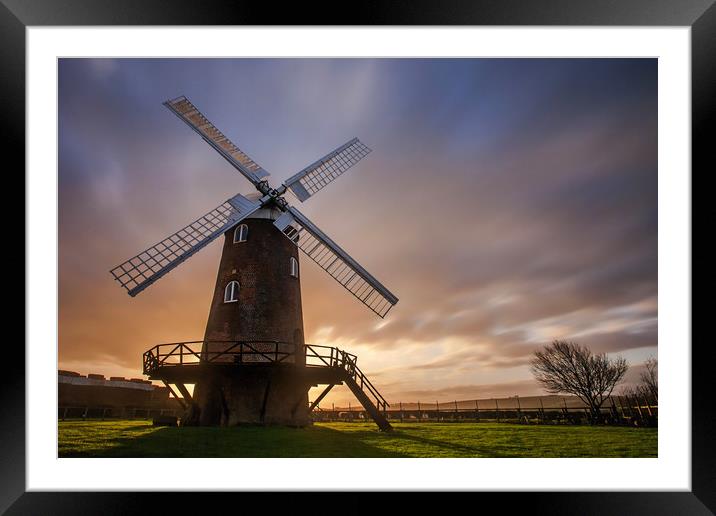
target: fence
<point>629,410</point>
<point>533,410</point>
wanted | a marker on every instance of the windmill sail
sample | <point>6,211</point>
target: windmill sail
<point>318,174</point>
<point>335,261</point>
<point>142,270</point>
<point>185,110</point>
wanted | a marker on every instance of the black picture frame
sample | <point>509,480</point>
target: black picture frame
<point>700,15</point>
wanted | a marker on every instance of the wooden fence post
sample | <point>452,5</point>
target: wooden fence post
<point>621,406</point>
<point>648,405</point>
<point>497,410</point>
<point>519,410</point>
<point>638,409</point>
<point>615,414</point>
<point>477,412</point>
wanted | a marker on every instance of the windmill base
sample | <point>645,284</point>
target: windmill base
<point>251,395</point>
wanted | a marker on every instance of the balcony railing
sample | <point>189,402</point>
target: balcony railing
<point>257,352</point>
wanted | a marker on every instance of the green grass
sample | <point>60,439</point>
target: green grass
<point>141,439</point>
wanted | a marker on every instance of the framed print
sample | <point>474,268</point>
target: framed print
<point>501,257</point>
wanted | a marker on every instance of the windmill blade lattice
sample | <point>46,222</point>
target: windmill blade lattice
<point>142,270</point>
<point>335,261</point>
<point>320,173</point>
<point>187,112</point>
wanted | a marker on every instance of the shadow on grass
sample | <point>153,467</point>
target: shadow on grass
<point>461,449</point>
<point>241,441</point>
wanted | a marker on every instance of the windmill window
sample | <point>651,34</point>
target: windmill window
<point>294,267</point>
<point>231,292</point>
<point>241,233</point>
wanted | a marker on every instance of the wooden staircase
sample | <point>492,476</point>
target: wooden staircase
<point>368,405</point>
<point>365,392</point>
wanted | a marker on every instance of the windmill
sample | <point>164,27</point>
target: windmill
<point>253,365</point>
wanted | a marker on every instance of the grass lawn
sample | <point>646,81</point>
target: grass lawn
<point>141,439</point>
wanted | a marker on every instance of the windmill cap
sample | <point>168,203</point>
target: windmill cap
<point>263,213</point>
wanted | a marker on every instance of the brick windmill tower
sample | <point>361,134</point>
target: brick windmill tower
<point>253,365</point>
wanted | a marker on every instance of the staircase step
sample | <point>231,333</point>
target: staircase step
<point>368,405</point>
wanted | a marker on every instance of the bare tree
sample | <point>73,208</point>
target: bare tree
<point>566,367</point>
<point>648,390</point>
<point>650,380</point>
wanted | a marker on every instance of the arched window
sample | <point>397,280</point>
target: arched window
<point>231,292</point>
<point>294,267</point>
<point>241,233</point>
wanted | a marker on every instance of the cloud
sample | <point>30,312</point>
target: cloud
<point>103,68</point>
<point>473,391</point>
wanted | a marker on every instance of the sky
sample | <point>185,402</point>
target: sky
<point>506,203</point>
